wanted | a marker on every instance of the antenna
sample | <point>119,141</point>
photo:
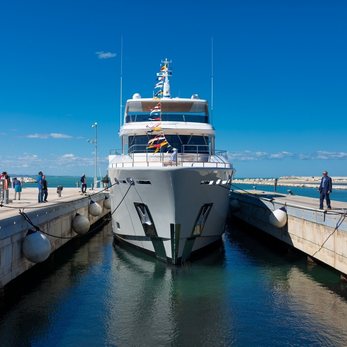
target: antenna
<point>121,83</point>
<point>212,85</point>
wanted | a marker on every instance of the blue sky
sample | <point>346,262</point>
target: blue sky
<point>280,73</point>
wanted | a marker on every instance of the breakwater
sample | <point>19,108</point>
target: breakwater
<point>339,183</point>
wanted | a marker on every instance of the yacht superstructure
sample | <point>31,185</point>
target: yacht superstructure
<point>171,187</point>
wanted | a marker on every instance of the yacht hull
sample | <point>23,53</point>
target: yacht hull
<point>171,212</point>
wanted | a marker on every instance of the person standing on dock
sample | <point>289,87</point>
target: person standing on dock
<point>325,188</point>
<point>44,189</point>
<point>275,184</point>
<point>84,184</point>
<point>17,185</point>
<point>106,182</point>
<point>39,186</point>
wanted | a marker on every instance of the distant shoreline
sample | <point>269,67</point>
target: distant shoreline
<point>339,183</point>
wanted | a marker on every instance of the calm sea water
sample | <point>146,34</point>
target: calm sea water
<point>248,292</point>
<point>65,181</point>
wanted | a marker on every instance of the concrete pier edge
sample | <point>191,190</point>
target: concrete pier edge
<point>320,234</point>
<point>54,218</point>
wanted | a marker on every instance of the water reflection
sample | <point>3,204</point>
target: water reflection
<point>162,304</point>
<point>245,293</point>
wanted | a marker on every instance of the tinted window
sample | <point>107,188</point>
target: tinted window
<point>183,143</point>
<point>168,117</point>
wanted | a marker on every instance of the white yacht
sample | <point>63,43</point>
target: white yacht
<point>170,186</point>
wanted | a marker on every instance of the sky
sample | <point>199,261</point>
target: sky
<point>280,79</point>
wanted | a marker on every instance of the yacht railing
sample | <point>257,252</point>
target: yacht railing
<point>190,155</point>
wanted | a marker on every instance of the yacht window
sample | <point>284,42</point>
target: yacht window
<point>171,111</point>
<point>183,143</point>
<point>168,117</point>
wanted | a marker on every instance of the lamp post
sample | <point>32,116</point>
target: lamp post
<point>95,142</point>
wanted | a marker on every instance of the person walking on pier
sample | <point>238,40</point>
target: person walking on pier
<point>325,188</point>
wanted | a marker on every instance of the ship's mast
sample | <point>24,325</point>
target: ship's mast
<point>166,73</point>
<point>212,80</point>
<point>121,84</point>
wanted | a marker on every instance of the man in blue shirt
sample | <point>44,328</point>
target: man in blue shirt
<point>325,188</point>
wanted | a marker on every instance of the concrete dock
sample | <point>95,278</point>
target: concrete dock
<point>321,234</point>
<point>54,217</point>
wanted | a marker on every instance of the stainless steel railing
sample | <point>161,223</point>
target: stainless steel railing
<point>191,155</point>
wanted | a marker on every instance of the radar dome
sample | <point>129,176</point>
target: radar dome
<point>195,96</point>
<point>137,96</point>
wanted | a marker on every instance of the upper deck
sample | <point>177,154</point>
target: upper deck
<point>164,124</point>
<point>173,110</point>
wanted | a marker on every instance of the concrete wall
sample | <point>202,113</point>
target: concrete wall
<point>312,231</point>
<point>54,219</point>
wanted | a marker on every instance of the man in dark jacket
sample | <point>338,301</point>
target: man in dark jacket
<point>325,188</point>
<point>44,189</point>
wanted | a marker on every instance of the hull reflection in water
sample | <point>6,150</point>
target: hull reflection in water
<point>161,303</point>
<point>246,293</point>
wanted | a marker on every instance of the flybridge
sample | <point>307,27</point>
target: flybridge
<point>178,110</point>
<point>162,123</point>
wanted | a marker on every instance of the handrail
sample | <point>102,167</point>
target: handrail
<point>168,159</point>
<point>216,153</point>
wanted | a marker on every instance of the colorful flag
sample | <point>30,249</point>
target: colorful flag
<point>163,68</point>
<point>156,139</point>
<point>159,84</point>
<point>155,119</point>
<point>156,108</point>
<point>158,93</point>
<point>158,146</point>
<point>156,127</point>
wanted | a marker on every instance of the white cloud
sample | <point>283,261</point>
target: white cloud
<point>71,160</point>
<point>258,155</point>
<point>325,155</point>
<point>63,164</point>
<point>48,136</point>
<point>37,136</point>
<point>59,136</point>
<point>105,55</point>
<point>281,155</point>
<point>68,156</point>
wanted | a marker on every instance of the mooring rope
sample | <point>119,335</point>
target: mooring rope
<point>26,217</point>
<point>339,222</point>
<point>126,193</point>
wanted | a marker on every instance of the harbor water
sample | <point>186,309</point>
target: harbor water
<point>247,292</point>
<point>337,195</point>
